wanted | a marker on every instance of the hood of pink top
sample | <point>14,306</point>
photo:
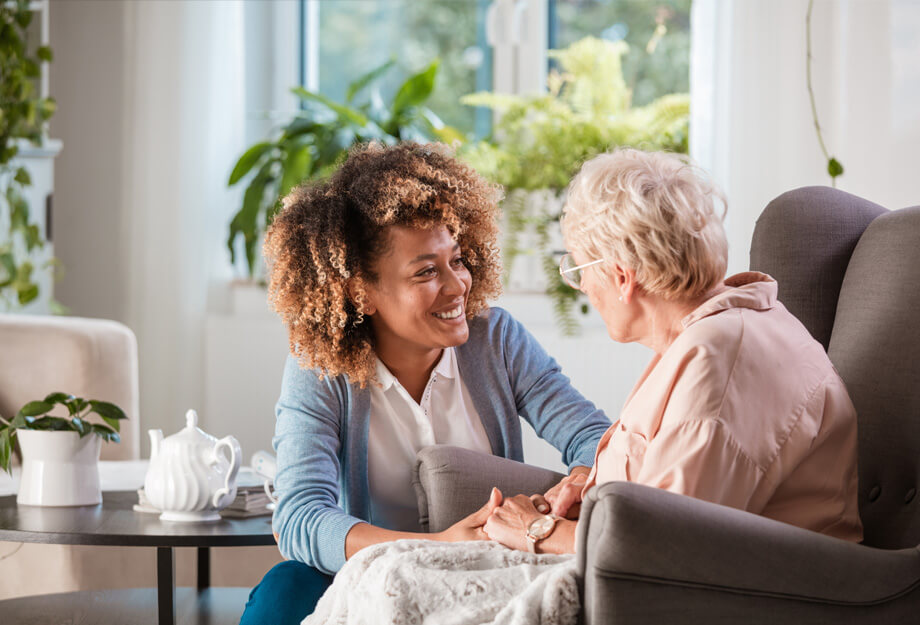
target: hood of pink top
<point>750,289</point>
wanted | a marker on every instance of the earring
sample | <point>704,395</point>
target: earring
<point>620,298</point>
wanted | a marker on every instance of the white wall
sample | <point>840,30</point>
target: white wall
<point>89,81</point>
<point>751,116</point>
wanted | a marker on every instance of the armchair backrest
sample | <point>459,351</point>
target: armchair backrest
<point>804,238</point>
<point>849,269</point>
<point>91,358</point>
<point>875,346</point>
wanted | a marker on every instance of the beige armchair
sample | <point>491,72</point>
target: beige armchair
<point>90,358</point>
<point>96,359</point>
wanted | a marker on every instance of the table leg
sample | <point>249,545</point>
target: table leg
<point>166,586</point>
<point>204,568</point>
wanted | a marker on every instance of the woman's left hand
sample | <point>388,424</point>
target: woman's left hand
<point>508,523</point>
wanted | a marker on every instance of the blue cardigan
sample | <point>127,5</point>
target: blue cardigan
<point>322,425</point>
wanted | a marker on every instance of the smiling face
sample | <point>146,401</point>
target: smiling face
<point>417,305</point>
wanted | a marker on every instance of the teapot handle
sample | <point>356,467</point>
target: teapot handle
<point>233,446</point>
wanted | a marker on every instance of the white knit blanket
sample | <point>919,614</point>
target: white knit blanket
<point>425,582</point>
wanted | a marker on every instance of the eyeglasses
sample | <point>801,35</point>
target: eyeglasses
<point>572,273</point>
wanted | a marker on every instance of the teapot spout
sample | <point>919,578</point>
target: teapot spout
<point>156,437</point>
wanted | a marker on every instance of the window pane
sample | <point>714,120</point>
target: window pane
<point>658,34</point>
<point>357,35</point>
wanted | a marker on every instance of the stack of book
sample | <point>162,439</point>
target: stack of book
<point>250,501</point>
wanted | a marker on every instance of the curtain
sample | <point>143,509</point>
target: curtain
<point>185,123</point>
<point>751,119</point>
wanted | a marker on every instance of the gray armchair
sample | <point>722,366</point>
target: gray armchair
<point>849,270</point>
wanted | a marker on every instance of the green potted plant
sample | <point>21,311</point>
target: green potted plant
<point>23,114</point>
<point>60,454</point>
<point>540,141</point>
<point>316,139</point>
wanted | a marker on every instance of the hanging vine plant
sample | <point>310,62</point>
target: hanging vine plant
<point>834,167</point>
<point>23,114</point>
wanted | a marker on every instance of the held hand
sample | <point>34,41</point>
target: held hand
<point>508,523</point>
<point>470,528</point>
<point>564,499</point>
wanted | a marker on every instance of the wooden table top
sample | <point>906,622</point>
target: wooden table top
<point>114,522</point>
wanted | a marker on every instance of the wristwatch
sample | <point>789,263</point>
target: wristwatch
<point>540,528</point>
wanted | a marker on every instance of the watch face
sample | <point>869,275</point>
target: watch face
<point>542,526</point>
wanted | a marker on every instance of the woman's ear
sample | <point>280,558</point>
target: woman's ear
<point>356,286</point>
<point>624,279</point>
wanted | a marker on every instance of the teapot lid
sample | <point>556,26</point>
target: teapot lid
<point>191,433</point>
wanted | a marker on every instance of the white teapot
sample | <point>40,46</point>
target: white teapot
<point>189,479</point>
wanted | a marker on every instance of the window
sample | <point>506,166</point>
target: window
<point>658,34</point>
<point>345,39</point>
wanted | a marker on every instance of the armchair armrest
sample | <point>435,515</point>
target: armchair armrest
<point>647,553</point>
<point>451,483</point>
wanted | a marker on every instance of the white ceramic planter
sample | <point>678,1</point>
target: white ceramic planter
<point>59,469</point>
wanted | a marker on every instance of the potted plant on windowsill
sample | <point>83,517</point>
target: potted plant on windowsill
<point>540,141</point>
<point>60,455</point>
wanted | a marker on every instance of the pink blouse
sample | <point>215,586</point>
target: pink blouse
<point>746,410</point>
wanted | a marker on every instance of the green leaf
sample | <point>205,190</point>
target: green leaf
<point>6,449</point>
<point>295,168</point>
<point>33,237</point>
<point>22,176</point>
<point>58,398</point>
<point>47,108</point>
<point>245,222</point>
<point>298,127</point>
<point>26,293</point>
<point>35,408</point>
<point>362,82</point>
<point>45,54</point>
<point>834,168</point>
<point>248,160</point>
<point>20,421</point>
<point>81,426</point>
<point>52,423</point>
<point>344,112</point>
<point>106,433</point>
<point>415,91</point>
<point>31,68</point>
<point>76,405</point>
<point>8,264</point>
<point>107,410</point>
<point>115,425</point>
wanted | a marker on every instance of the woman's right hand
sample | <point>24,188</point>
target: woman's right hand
<point>564,499</point>
<point>470,528</point>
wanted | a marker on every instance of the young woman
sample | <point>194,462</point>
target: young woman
<point>382,276</point>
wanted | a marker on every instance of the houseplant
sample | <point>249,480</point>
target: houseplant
<point>23,114</point>
<point>59,453</point>
<point>540,141</point>
<point>316,139</point>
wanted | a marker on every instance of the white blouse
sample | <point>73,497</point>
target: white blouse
<point>400,427</point>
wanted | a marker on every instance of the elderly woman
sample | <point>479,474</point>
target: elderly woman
<point>739,404</point>
<point>381,276</point>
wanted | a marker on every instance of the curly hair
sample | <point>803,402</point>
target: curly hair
<point>322,246</point>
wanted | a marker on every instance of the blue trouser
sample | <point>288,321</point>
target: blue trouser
<point>286,595</point>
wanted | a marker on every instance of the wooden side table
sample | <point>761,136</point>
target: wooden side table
<point>115,523</point>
